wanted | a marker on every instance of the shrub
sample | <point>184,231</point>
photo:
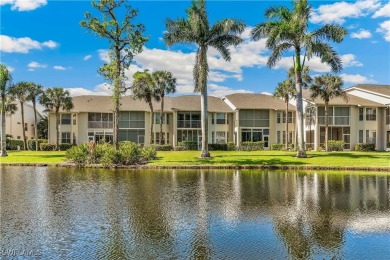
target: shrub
<point>163,147</point>
<point>13,144</point>
<point>149,153</point>
<point>189,145</point>
<point>277,147</point>
<point>319,148</point>
<point>231,146</point>
<point>180,148</point>
<point>47,147</point>
<point>252,146</point>
<point>364,147</point>
<point>129,153</point>
<point>31,143</point>
<point>109,157</point>
<point>388,145</point>
<point>64,147</point>
<point>78,154</point>
<point>218,147</point>
<point>335,145</point>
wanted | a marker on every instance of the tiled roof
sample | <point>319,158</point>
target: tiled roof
<point>380,89</point>
<point>257,101</point>
<point>352,100</point>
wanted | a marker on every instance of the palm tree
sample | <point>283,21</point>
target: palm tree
<point>288,29</point>
<point>5,80</point>
<point>327,87</point>
<point>197,30</point>
<point>20,91</point>
<point>35,91</point>
<point>285,91</point>
<point>144,88</point>
<point>166,84</point>
<point>56,98</point>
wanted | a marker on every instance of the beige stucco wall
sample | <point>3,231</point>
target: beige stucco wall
<point>14,123</point>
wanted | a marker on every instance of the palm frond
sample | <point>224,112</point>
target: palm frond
<point>277,53</point>
<point>330,32</point>
<point>327,55</point>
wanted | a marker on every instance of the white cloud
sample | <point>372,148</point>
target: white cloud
<point>221,91</point>
<point>35,65</point>
<point>87,57</point>
<point>355,78</point>
<point>101,90</point>
<point>349,60</point>
<point>59,68</point>
<point>384,28</point>
<point>340,11</point>
<point>24,5</point>
<point>361,34</point>
<point>9,68</point>
<point>23,45</point>
<point>383,12</point>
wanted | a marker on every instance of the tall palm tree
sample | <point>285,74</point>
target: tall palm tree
<point>327,87</point>
<point>285,91</point>
<point>5,80</point>
<point>197,30</point>
<point>144,88</point>
<point>20,91</point>
<point>56,98</point>
<point>35,91</point>
<point>288,29</point>
<point>166,84</point>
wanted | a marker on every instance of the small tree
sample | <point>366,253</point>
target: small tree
<point>166,84</point>
<point>144,88</point>
<point>125,39</point>
<point>5,81</point>
<point>43,127</point>
<point>56,98</point>
<point>20,91</point>
<point>327,87</point>
<point>35,91</point>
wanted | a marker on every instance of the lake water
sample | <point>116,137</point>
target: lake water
<point>58,213</point>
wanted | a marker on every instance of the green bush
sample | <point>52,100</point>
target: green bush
<point>189,145</point>
<point>277,147</point>
<point>107,154</point>
<point>130,153</point>
<point>47,147</point>
<point>180,148</point>
<point>218,147</point>
<point>64,147</point>
<point>364,147</point>
<point>388,145</point>
<point>252,146</point>
<point>163,147</point>
<point>78,154</point>
<point>149,153</point>
<point>31,143</point>
<point>231,146</point>
<point>13,144</point>
<point>319,148</point>
<point>335,145</point>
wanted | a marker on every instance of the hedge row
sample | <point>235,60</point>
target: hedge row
<point>364,147</point>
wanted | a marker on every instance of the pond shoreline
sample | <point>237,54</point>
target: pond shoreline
<point>235,167</point>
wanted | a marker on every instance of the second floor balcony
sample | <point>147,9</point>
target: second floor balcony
<point>334,120</point>
<point>100,124</point>
<point>189,124</point>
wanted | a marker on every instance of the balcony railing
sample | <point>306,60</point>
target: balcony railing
<point>189,124</point>
<point>334,120</point>
<point>99,124</point>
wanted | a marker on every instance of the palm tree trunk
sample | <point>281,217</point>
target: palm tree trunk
<point>35,125</point>
<point>286,124</point>
<point>151,122</point>
<point>3,127</point>
<point>161,119</point>
<point>23,130</point>
<point>205,126</point>
<point>326,125</point>
<point>298,86</point>
<point>57,130</point>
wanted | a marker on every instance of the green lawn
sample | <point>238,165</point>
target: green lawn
<point>33,157</point>
<point>352,159</point>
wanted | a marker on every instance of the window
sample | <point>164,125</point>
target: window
<point>100,120</point>
<point>65,119</point>
<point>188,135</point>
<point>341,116</point>
<point>133,135</point>
<point>221,119</point>
<point>388,116</point>
<point>188,120</point>
<point>220,138</point>
<point>131,119</point>
<point>65,138</point>
<point>18,137</point>
<point>157,118</point>
<point>213,137</point>
<point>367,136</point>
<point>25,126</point>
<point>370,114</point>
<point>212,118</point>
<point>278,139</point>
<point>254,118</point>
<point>253,135</point>
<point>289,119</point>
<point>373,140</point>
<point>361,136</point>
<point>278,117</point>
<point>361,114</point>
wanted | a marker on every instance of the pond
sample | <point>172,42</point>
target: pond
<point>59,213</point>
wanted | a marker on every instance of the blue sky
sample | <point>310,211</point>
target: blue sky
<point>42,41</point>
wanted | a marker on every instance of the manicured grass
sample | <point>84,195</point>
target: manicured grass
<point>224,158</point>
<point>33,157</point>
<point>356,159</point>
